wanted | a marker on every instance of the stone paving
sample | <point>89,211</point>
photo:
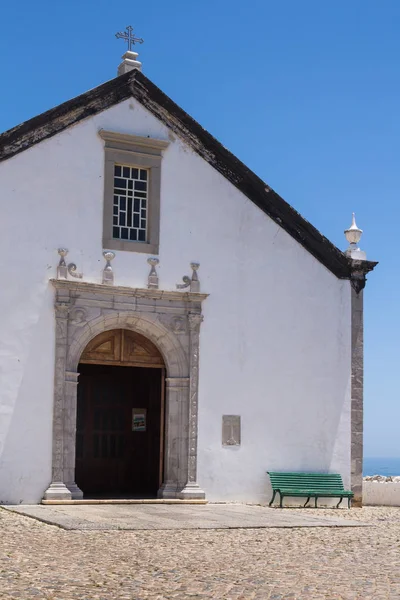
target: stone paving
<point>161,516</point>
<point>335,563</point>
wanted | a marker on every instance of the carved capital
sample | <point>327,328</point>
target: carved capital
<point>61,309</point>
<point>71,377</point>
<point>359,270</point>
<point>177,383</point>
<point>195,320</point>
<point>358,281</point>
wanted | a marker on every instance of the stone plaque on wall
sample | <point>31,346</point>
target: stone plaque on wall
<point>231,430</point>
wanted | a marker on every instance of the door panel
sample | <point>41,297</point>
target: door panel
<point>112,459</point>
<point>122,347</point>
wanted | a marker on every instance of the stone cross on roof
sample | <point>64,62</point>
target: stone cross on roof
<point>129,59</point>
<point>129,37</point>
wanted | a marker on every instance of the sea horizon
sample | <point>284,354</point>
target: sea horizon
<point>377,465</point>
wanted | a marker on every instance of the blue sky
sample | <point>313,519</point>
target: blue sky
<point>306,93</point>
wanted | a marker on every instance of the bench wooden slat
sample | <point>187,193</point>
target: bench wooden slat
<point>308,485</point>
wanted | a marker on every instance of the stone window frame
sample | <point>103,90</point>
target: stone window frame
<point>132,151</point>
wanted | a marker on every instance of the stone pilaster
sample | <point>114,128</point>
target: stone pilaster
<point>57,489</point>
<point>175,429</point>
<point>357,391</point>
<point>192,489</point>
<point>359,270</point>
<point>71,384</point>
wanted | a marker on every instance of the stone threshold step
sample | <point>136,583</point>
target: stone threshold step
<point>127,501</point>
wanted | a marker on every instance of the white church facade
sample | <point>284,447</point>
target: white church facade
<point>170,326</point>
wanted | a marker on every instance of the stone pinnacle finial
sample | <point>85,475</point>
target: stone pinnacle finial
<point>353,235</point>
<point>152,282</point>
<point>108,273</point>
<point>129,59</point>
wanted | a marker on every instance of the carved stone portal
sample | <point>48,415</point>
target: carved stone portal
<point>102,321</point>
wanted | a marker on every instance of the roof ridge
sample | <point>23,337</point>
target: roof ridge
<point>82,106</point>
<point>250,184</point>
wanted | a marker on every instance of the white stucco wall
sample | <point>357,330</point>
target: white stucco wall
<point>275,342</point>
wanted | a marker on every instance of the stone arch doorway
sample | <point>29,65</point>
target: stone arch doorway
<point>171,322</point>
<point>120,417</point>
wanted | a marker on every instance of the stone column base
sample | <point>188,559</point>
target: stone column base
<point>168,490</point>
<point>192,491</point>
<point>76,492</point>
<point>57,490</point>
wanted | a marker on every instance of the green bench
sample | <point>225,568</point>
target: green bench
<point>308,485</point>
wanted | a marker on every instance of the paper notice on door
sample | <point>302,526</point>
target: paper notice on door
<point>139,419</point>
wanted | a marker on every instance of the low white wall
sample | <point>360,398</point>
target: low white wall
<point>381,493</point>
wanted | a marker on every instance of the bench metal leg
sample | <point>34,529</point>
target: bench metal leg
<point>316,498</point>
<point>340,502</point>
<point>349,501</point>
<point>280,504</point>
<point>273,498</point>
<point>308,500</point>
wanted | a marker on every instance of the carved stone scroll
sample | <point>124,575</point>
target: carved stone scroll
<point>63,269</point>
<point>73,272</point>
<point>190,282</point>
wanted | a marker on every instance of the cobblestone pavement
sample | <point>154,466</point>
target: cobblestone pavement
<point>363,563</point>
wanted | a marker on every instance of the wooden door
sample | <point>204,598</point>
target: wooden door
<point>118,455</point>
<point>122,347</point>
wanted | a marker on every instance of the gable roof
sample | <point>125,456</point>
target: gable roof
<point>135,84</point>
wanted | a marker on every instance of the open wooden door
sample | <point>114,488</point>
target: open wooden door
<point>120,417</point>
